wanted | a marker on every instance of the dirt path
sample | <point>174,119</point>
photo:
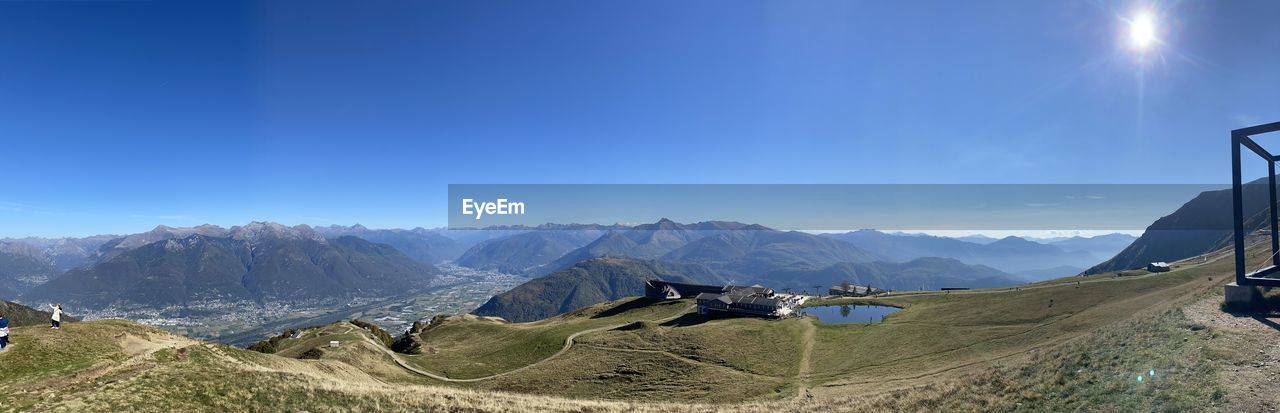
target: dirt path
<point>1249,359</point>
<point>805,368</point>
<point>138,349</point>
<point>568,344</point>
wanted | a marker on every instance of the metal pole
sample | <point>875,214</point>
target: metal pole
<point>1275,242</point>
<point>1237,202</point>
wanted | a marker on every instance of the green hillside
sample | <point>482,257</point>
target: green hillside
<point>589,282</point>
<point>466,347</point>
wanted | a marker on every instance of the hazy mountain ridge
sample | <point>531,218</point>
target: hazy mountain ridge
<point>746,253</point>
<point>20,273</point>
<point>1201,225</point>
<point>538,250</point>
<point>526,251</point>
<point>1101,246</point>
<point>425,246</point>
<point>647,241</point>
<point>1011,254</point>
<point>62,253</point>
<point>257,262</point>
<point>929,273</point>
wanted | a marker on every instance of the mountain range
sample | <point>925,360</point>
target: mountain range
<point>738,250</point>
<point>60,253</point>
<point>1203,224</point>
<point>929,273</point>
<point>1031,260</point>
<point>746,254</point>
<point>579,264</point>
<point>743,251</point>
<point>646,241</point>
<point>424,245</point>
<point>526,251</point>
<point>20,272</point>
<point>256,262</point>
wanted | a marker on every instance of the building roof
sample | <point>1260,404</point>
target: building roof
<point>730,299</point>
<point>753,300</point>
<point>755,289</point>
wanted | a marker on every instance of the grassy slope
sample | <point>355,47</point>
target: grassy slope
<point>937,333</point>
<point>318,337</point>
<point>1098,373</point>
<point>167,373</point>
<point>761,347</point>
<point>748,358</point>
<point>590,372</point>
<point>469,347</point>
<point>109,366</point>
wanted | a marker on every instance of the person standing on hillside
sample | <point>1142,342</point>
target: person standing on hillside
<point>4,332</point>
<point>57,316</point>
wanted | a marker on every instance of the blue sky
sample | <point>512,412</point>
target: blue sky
<point>116,116</point>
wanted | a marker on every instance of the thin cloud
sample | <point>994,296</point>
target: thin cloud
<point>164,217</point>
<point>1245,119</point>
<point>20,207</point>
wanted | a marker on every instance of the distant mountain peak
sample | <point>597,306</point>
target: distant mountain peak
<point>1012,239</point>
<point>23,249</point>
<point>257,230</point>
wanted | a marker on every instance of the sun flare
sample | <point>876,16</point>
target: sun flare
<point>1142,31</point>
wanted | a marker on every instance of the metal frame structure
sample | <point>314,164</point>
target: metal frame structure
<point>1245,137</point>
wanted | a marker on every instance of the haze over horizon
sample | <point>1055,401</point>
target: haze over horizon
<point>995,234</point>
<point>119,116</point>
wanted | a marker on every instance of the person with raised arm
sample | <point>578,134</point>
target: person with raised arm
<point>57,316</point>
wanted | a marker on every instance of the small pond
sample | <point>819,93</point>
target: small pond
<point>848,313</point>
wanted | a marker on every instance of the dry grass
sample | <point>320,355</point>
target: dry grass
<point>201,377</point>
<point>468,347</point>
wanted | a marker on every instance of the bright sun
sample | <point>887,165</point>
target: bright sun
<point>1142,31</point>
